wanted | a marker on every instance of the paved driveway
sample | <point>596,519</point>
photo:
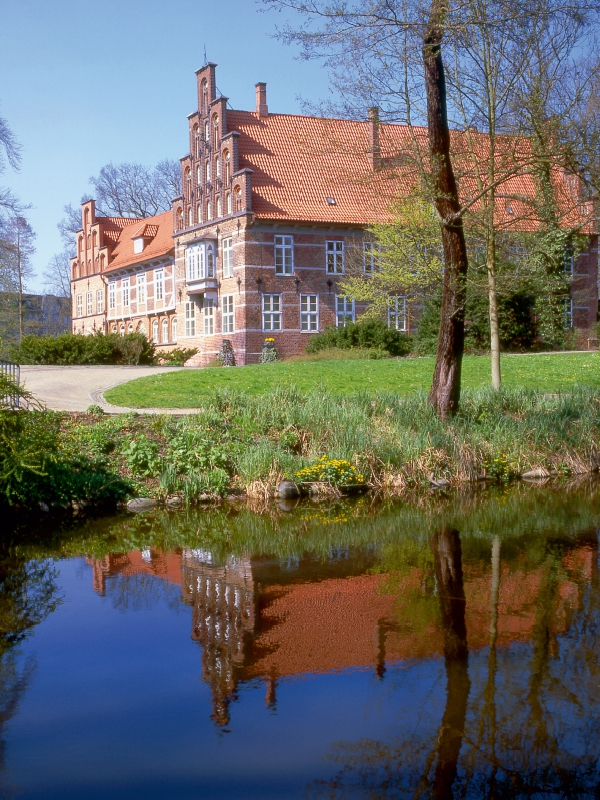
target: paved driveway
<point>77,388</point>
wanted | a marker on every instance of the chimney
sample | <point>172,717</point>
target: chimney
<point>262,109</point>
<point>374,148</point>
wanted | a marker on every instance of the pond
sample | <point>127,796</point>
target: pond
<point>442,647</point>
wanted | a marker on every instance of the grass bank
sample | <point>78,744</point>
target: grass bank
<point>247,444</point>
<point>549,373</point>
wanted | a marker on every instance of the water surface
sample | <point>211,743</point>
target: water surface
<point>443,648</point>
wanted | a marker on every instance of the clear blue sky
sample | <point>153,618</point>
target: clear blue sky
<point>84,84</point>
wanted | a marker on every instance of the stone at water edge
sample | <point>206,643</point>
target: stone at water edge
<point>288,489</point>
<point>538,472</point>
<point>141,504</point>
<point>174,501</point>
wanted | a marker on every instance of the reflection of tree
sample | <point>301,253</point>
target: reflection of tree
<point>28,593</point>
<point>532,723</point>
<point>449,575</point>
<point>139,592</point>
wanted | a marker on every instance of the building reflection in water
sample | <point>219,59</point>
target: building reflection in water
<point>261,619</point>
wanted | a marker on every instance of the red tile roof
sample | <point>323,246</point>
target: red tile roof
<point>300,161</point>
<point>161,243</point>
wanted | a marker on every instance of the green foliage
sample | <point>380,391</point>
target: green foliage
<point>516,319</point>
<point>142,457</point>
<point>177,357</point>
<point>405,258</point>
<point>371,334</point>
<point>95,411</point>
<point>98,348</point>
<point>38,465</point>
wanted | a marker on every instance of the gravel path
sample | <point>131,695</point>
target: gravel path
<point>77,388</point>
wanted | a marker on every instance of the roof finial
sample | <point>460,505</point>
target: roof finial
<point>205,61</point>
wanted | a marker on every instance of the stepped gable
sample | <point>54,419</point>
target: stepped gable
<point>157,233</point>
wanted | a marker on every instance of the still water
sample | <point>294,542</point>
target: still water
<point>447,647</point>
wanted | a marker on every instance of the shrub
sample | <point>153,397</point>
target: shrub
<point>516,320</point>
<point>367,334</point>
<point>97,348</point>
<point>178,356</point>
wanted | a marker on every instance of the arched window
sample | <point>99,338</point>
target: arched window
<point>206,132</point>
<point>199,174</point>
<point>204,96</point>
<point>228,201</point>
<point>86,218</point>
<point>81,244</point>
<point>238,199</point>
<point>196,140</point>
<point>188,181</point>
<point>179,219</point>
<point>207,171</point>
<point>114,328</point>
<point>122,330</point>
<point>190,217</point>
<point>155,331</point>
<point>130,328</point>
<point>141,328</point>
<point>219,208</point>
<point>95,239</point>
<point>208,211</point>
<point>165,330</point>
<point>199,213</point>
<point>210,261</point>
<point>102,262</point>
<point>215,132</point>
<point>227,160</point>
<point>217,167</point>
<point>174,330</point>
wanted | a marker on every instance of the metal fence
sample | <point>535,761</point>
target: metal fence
<point>10,399</point>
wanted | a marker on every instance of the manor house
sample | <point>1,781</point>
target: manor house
<point>273,213</point>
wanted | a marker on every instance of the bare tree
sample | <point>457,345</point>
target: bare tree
<point>17,249</point>
<point>133,190</point>
<point>57,275</point>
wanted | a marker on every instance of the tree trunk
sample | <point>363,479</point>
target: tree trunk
<point>445,389</point>
<point>493,310</point>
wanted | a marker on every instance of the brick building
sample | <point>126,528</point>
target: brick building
<point>273,210</point>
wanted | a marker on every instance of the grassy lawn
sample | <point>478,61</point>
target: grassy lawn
<point>185,389</point>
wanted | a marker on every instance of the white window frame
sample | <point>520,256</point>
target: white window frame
<point>284,255</point>
<point>100,301</point>
<point>174,329</point>
<point>164,326</point>
<point>344,310</point>
<point>228,314</point>
<point>227,256</point>
<point>208,307</point>
<point>369,257</point>
<point>79,302</point>
<point>334,253</point>
<point>112,295</point>
<point>397,313</point>
<point>140,282</point>
<point>200,261</point>
<point>125,292</point>
<point>190,318</point>
<point>309,313</point>
<point>89,304</point>
<point>271,312</point>
<point>159,284</point>
<point>155,331</point>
